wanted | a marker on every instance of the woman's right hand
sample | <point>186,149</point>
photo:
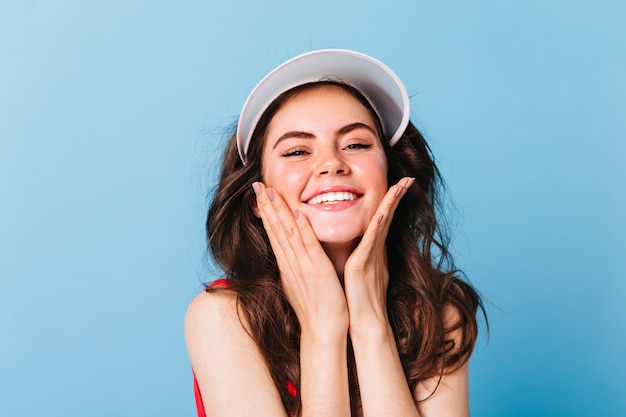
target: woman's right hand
<point>308,277</point>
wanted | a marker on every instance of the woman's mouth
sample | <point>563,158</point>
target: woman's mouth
<point>334,197</point>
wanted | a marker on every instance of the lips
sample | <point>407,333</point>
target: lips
<point>333,197</point>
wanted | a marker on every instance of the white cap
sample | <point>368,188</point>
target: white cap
<point>377,82</point>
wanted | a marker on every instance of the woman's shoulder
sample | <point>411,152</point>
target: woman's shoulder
<point>225,358</point>
<point>211,310</point>
<point>215,327</point>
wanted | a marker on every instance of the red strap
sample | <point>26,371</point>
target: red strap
<point>199,403</point>
<point>291,389</point>
<point>219,283</point>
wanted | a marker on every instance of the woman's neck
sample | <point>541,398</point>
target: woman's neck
<point>338,254</point>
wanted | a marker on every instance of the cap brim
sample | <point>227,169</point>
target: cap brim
<point>377,82</point>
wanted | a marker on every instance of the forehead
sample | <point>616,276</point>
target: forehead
<point>329,102</point>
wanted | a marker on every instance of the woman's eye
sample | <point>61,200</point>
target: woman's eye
<point>359,146</point>
<point>297,152</point>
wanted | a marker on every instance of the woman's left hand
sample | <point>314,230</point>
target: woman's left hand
<point>366,274</point>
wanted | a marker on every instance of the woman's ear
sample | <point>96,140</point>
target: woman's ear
<point>255,209</point>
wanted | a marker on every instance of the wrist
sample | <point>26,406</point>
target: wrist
<point>373,327</point>
<point>331,333</point>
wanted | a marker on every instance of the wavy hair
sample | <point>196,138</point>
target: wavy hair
<point>422,278</point>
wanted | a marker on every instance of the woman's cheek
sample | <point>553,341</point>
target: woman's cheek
<point>289,183</point>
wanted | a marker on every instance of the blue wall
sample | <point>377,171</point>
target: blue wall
<point>110,114</point>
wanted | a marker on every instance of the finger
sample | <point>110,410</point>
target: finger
<point>271,218</point>
<point>378,226</point>
<point>293,223</point>
<point>283,230</point>
<point>391,200</point>
<point>304,248</point>
<point>309,239</point>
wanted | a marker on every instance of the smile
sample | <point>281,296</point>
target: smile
<point>333,197</point>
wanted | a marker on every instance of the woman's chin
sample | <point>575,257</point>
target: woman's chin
<point>339,242</point>
<point>338,232</point>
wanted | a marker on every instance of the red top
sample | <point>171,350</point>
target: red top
<point>196,389</point>
<point>200,405</point>
<point>196,393</point>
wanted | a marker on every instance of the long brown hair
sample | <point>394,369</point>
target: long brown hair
<point>423,280</point>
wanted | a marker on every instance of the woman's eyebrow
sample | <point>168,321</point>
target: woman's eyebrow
<point>293,134</point>
<point>353,126</point>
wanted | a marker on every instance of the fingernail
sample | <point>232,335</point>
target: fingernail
<point>270,194</point>
<point>296,214</point>
<point>409,182</point>
<point>399,190</point>
<point>257,188</point>
<point>380,218</point>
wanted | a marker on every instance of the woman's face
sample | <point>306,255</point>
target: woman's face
<point>323,155</point>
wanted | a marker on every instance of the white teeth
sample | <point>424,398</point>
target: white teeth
<point>333,197</point>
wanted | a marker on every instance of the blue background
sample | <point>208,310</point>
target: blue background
<point>111,114</point>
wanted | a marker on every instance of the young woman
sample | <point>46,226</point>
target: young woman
<point>339,296</point>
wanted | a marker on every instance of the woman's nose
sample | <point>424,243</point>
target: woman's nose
<point>332,163</point>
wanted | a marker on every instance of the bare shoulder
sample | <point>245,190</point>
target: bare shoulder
<point>230,369</point>
<point>446,394</point>
<point>211,310</point>
<point>211,325</point>
<point>214,325</point>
